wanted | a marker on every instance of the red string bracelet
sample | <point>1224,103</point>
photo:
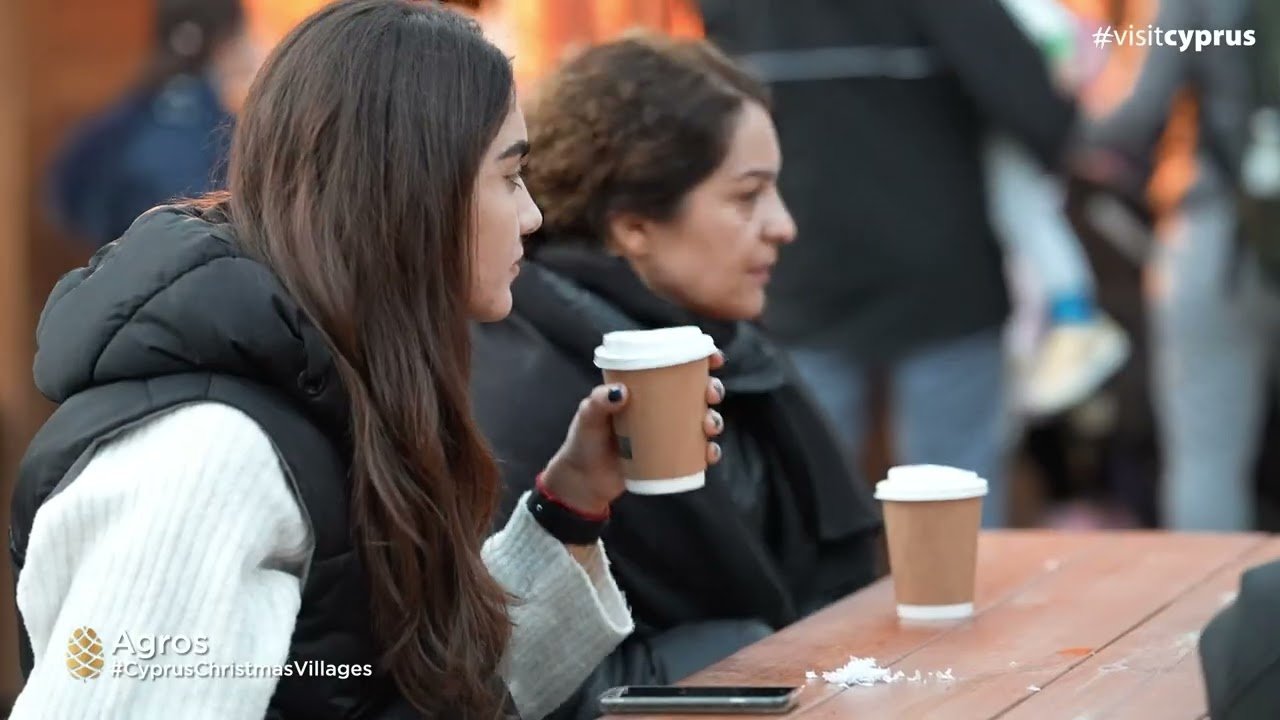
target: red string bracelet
<point>542,488</point>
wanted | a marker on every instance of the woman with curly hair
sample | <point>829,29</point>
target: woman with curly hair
<point>655,162</point>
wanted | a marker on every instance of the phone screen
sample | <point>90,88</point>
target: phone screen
<point>707,699</point>
<point>658,691</point>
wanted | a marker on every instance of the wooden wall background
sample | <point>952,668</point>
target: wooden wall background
<point>59,61</point>
<point>14,335</point>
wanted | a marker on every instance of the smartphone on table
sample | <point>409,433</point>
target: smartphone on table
<point>704,699</point>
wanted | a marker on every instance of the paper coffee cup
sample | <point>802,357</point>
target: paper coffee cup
<point>661,440</point>
<point>932,515</point>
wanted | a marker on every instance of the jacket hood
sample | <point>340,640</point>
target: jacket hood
<point>176,295</point>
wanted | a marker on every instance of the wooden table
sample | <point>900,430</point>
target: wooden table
<point>1073,626</point>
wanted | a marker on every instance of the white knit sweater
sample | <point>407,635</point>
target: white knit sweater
<point>186,526</point>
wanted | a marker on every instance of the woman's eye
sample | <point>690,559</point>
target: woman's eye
<point>517,178</point>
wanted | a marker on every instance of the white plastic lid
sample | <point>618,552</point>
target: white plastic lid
<point>924,483</point>
<point>647,349</point>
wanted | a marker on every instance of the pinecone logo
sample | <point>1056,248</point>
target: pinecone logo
<point>84,654</point>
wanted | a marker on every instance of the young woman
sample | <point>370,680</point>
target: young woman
<point>168,136</point>
<point>264,447</point>
<point>656,163</point>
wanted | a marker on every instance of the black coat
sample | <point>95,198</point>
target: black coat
<point>883,165</point>
<point>1240,651</point>
<point>806,539</point>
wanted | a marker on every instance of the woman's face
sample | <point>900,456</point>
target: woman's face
<point>504,215</point>
<point>716,255</point>
<point>234,66</point>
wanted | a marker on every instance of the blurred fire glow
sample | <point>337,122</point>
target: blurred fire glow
<point>537,33</point>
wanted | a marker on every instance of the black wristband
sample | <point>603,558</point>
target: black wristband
<point>562,524</point>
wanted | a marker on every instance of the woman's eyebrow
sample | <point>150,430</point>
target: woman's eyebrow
<point>519,148</point>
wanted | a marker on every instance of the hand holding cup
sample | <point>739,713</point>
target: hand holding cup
<point>588,472</point>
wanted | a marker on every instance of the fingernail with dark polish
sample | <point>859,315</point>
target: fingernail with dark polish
<point>718,420</point>
<point>615,394</point>
<point>715,450</point>
<point>719,387</point>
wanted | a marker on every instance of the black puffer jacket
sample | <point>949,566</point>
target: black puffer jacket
<point>172,314</point>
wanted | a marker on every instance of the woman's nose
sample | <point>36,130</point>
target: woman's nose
<point>780,227</point>
<point>530,216</point>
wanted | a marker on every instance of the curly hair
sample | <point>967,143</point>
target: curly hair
<point>631,126</point>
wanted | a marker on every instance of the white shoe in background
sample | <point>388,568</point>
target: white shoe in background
<point>1072,362</point>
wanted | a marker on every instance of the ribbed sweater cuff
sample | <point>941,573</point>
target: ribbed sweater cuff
<point>568,615</point>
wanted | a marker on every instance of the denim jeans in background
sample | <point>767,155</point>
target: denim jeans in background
<point>1216,326</point>
<point>947,405</point>
<point>1026,210</point>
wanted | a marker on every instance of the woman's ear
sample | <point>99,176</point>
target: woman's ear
<point>629,235</point>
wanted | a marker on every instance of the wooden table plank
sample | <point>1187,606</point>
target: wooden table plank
<point>1162,653</point>
<point>1156,664</point>
<point>865,623</point>
<point>1177,693</point>
<point>1045,629</point>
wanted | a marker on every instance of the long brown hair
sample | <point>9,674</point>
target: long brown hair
<point>351,176</point>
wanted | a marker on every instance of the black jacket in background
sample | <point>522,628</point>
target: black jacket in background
<point>780,529</point>
<point>1240,651</point>
<point>884,174</point>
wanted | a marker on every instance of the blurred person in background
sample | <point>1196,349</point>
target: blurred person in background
<point>1064,348</point>
<point>169,135</point>
<point>883,108</point>
<point>1214,300</point>
<point>1076,347</point>
<point>655,162</point>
